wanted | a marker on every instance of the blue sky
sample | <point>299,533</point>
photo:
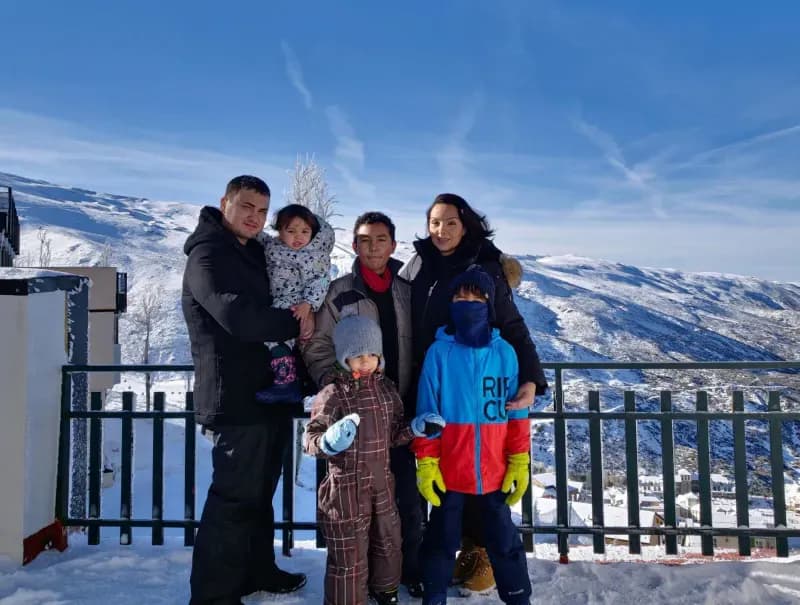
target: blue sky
<point>656,134</point>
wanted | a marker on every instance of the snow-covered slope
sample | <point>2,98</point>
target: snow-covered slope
<point>578,309</point>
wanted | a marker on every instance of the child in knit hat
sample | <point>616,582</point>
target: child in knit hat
<point>468,375</point>
<point>355,420</point>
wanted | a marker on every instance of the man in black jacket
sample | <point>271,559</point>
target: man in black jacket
<point>227,306</point>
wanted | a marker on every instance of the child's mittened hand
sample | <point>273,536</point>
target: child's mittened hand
<point>428,475</point>
<point>517,478</point>
<point>340,435</point>
<point>427,425</point>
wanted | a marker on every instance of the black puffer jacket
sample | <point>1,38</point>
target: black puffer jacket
<point>430,274</point>
<point>226,303</point>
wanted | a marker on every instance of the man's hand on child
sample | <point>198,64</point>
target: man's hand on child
<point>427,425</point>
<point>340,435</point>
<point>517,478</point>
<point>524,397</point>
<point>301,310</point>
<point>307,328</point>
<point>428,475</point>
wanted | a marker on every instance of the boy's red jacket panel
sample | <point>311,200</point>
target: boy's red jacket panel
<point>469,388</point>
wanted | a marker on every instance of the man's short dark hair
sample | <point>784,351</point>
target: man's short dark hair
<point>371,218</point>
<point>245,181</point>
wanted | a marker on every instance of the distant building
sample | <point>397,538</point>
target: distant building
<point>108,298</point>
<point>9,228</point>
<point>580,515</point>
<point>547,483</point>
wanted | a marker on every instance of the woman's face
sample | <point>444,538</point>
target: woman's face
<point>445,228</point>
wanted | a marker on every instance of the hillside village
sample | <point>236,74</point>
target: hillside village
<point>651,503</point>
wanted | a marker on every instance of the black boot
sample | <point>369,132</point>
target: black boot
<point>388,597</point>
<point>415,588</point>
<point>278,581</point>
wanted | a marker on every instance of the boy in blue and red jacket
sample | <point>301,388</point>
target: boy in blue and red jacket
<point>468,375</point>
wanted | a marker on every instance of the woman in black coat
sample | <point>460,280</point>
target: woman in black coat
<point>459,237</point>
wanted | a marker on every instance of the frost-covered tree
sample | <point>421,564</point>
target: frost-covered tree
<point>309,188</point>
<point>146,309</point>
<point>44,247</point>
<point>106,252</point>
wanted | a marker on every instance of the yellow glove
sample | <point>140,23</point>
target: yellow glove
<point>428,475</point>
<point>516,473</point>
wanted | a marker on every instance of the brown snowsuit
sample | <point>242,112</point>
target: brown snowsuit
<point>356,505</point>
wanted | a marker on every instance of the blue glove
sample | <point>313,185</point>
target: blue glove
<point>340,435</point>
<point>427,425</point>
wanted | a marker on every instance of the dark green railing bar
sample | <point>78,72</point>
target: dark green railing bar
<point>527,512</point>
<point>560,438</point>
<point>704,473</point>
<point>193,523</point>
<point>585,415</point>
<point>663,531</point>
<point>95,465</point>
<point>776,460</point>
<point>157,536</point>
<point>126,471</point>
<point>596,461</point>
<point>547,365</point>
<point>632,472</point>
<point>287,535</point>
<point>64,439</point>
<point>668,470</point>
<point>740,473</point>
<point>188,471</point>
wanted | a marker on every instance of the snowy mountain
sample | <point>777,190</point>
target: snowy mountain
<point>578,309</point>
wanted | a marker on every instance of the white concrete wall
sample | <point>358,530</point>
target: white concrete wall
<point>32,341</point>
<point>46,355</point>
<point>13,393</point>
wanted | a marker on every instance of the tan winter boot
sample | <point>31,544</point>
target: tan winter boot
<point>466,561</point>
<point>482,579</point>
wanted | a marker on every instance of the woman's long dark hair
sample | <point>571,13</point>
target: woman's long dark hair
<point>476,225</point>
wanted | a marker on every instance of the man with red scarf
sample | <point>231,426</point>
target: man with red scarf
<point>374,289</point>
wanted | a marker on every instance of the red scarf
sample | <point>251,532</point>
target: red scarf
<point>376,283</point>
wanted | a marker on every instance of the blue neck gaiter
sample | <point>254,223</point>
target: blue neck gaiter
<point>471,321</point>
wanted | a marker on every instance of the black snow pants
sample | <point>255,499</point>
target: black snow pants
<point>233,551</point>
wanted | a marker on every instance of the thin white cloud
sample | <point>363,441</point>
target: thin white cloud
<point>349,155</point>
<point>454,157</point>
<point>58,151</point>
<point>753,141</point>
<point>295,72</point>
<point>639,179</point>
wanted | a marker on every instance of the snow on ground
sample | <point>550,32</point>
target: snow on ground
<point>128,575</point>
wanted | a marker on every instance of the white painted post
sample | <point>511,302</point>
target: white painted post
<point>33,347</point>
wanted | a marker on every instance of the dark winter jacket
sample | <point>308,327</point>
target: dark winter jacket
<point>348,296</point>
<point>430,274</point>
<point>227,306</point>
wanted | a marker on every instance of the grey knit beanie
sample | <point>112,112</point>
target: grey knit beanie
<point>357,335</point>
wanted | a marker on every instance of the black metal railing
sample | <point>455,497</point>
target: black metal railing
<point>666,416</point>
<point>9,227</point>
<point>560,416</point>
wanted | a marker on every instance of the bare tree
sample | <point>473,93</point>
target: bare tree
<point>44,247</point>
<point>309,188</point>
<point>25,259</point>
<point>148,308</point>
<point>105,256</point>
